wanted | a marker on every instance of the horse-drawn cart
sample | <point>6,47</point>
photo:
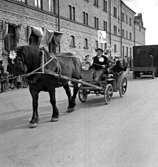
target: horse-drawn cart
<point>110,83</point>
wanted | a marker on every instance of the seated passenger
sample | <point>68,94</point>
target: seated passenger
<point>99,65</point>
<point>118,67</point>
<point>86,63</point>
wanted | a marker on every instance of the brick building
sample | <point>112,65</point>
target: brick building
<point>78,20</point>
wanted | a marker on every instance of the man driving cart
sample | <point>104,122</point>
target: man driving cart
<point>99,65</point>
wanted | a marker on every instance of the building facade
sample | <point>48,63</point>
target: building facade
<point>79,22</point>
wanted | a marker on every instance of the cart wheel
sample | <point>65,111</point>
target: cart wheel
<point>108,93</point>
<point>82,95</point>
<point>123,87</point>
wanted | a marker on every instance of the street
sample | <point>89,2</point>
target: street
<point>121,134</point>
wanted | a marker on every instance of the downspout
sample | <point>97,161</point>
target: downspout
<point>134,32</point>
<point>110,24</point>
<point>59,22</point>
<point>121,30</point>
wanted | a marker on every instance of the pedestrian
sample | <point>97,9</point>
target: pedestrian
<point>100,64</point>
<point>10,70</point>
<point>2,75</point>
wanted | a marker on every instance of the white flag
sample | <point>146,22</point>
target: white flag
<point>101,36</point>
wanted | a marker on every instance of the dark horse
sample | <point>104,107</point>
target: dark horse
<point>29,58</point>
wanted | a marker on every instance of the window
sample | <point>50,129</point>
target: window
<point>72,42</point>
<point>115,48</point>
<point>71,13</point>
<point>123,17</point>
<point>39,4</point>
<point>24,1</point>
<point>115,30</point>
<point>130,21</point>
<point>50,5</point>
<point>105,46</point>
<point>127,51</point>
<point>53,6</point>
<point>123,48</point>
<point>96,3</point>
<point>105,6</point>
<point>130,52</point>
<point>10,40</point>
<point>96,23</point>
<point>123,32</point>
<point>96,44</point>
<point>126,34</point>
<point>85,18</point>
<point>115,12</point>
<point>85,43</point>
<point>130,36</point>
<point>105,25</point>
<point>126,19</point>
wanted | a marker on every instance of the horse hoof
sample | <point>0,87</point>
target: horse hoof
<point>54,119</point>
<point>32,125</point>
<point>69,110</point>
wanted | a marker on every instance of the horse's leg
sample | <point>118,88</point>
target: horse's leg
<point>73,98</point>
<point>55,114</point>
<point>35,94</point>
<point>68,92</point>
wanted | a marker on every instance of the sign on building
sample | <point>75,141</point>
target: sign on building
<point>102,36</point>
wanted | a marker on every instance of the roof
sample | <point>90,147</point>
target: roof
<point>128,7</point>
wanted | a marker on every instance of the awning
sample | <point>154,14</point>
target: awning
<point>35,30</point>
<point>51,36</point>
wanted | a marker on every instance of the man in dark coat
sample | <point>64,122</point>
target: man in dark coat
<point>118,67</point>
<point>100,64</point>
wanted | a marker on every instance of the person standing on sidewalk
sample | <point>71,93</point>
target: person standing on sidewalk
<point>1,75</point>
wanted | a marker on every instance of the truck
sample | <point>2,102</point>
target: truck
<point>145,61</point>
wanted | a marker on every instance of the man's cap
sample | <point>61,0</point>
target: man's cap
<point>99,49</point>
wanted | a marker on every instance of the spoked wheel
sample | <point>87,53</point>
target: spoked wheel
<point>82,95</point>
<point>108,93</point>
<point>123,87</point>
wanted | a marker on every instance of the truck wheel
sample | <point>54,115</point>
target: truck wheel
<point>153,75</point>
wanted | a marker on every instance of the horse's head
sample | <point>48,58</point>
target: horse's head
<point>17,58</point>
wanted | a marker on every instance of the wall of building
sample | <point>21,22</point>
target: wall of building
<point>17,13</point>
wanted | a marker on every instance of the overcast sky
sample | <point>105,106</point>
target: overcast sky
<point>149,10</point>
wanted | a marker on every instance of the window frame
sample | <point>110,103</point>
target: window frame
<point>96,3</point>
<point>115,29</point>
<point>85,43</point>
<point>72,42</point>
<point>105,6</point>
<point>105,25</point>
<point>38,4</point>
<point>115,11</point>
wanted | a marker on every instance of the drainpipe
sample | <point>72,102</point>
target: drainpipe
<point>134,34</point>
<point>59,21</point>
<point>121,30</point>
<point>110,24</point>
